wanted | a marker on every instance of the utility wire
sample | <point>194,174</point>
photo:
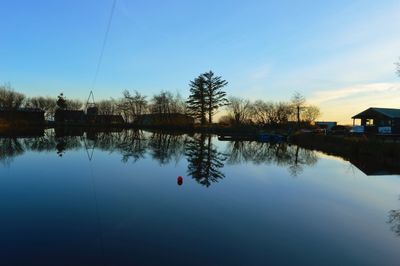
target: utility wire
<point>104,44</point>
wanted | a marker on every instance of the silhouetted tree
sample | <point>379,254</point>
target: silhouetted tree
<point>298,102</point>
<point>74,104</point>
<point>107,107</point>
<point>61,102</point>
<point>9,99</point>
<point>239,109</point>
<point>196,103</point>
<point>270,113</point>
<point>165,103</point>
<point>311,113</point>
<point>263,112</point>
<point>216,97</point>
<point>47,104</point>
<point>133,105</point>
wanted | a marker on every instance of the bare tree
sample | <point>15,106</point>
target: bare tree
<point>283,111</point>
<point>133,105</point>
<point>107,107</point>
<point>298,102</point>
<point>47,104</point>
<point>161,103</point>
<point>9,99</point>
<point>74,104</point>
<point>178,105</point>
<point>167,103</point>
<point>311,113</point>
<point>239,109</point>
<point>263,112</point>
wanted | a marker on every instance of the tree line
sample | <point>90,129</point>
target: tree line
<point>207,96</point>
<point>243,111</point>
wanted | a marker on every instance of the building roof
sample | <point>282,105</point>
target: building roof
<point>388,112</point>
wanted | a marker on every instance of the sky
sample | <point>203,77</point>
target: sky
<point>339,54</point>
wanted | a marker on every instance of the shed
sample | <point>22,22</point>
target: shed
<point>379,120</point>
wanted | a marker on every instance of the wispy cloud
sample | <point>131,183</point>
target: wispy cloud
<point>355,92</point>
<point>342,103</point>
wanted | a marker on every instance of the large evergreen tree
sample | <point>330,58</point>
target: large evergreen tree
<point>216,97</point>
<point>206,96</point>
<point>196,103</point>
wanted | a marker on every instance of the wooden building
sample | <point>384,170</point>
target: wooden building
<point>171,120</point>
<point>379,120</point>
<point>109,120</point>
<point>77,117</point>
<point>21,117</point>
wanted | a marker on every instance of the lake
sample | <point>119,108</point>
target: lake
<point>114,198</point>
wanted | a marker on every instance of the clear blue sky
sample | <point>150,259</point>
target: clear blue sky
<point>333,52</point>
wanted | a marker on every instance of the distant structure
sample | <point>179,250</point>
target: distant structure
<point>172,120</point>
<point>326,125</point>
<point>379,120</point>
<point>69,116</point>
<point>90,118</point>
<point>22,117</point>
<point>79,118</point>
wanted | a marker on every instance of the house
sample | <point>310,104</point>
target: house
<point>69,117</point>
<point>109,120</point>
<point>173,120</point>
<point>379,120</point>
<point>78,117</point>
<point>22,117</point>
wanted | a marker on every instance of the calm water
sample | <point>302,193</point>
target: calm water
<point>114,199</point>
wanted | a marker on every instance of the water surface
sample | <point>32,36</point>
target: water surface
<point>76,198</point>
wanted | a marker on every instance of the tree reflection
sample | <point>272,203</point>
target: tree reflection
<point>204,160</point>
<point>281,154</point>
<point>394,221</point>
<point>165,147</point>
<point>131,144</point>
<point>10,148</point>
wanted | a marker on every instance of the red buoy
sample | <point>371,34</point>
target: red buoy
<point>180,180</point>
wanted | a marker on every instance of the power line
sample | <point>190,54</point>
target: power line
<point>104,44</point>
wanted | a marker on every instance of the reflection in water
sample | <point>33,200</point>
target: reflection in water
<point>10,148</point>
<point>394,221</point>
<point>166,147</point>
<point>282,154</point>
<point>205,161</point>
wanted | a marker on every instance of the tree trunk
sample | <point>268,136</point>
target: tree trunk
<point>209,114</point>
<point>298,115</point>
